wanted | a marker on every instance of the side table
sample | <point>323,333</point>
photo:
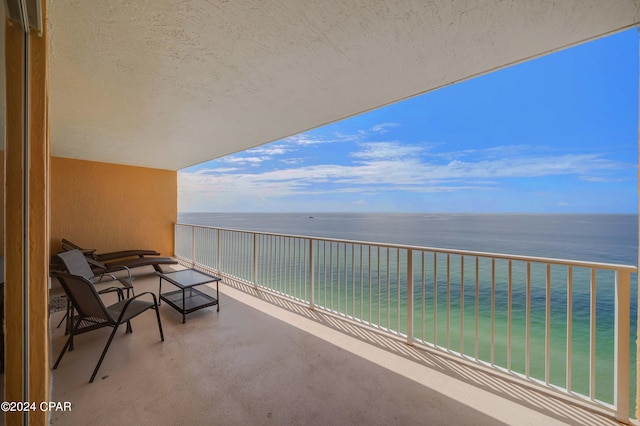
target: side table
<point>187,298</point>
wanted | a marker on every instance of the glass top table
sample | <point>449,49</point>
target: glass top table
<point>188,299</point>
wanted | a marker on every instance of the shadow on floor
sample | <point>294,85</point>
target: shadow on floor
<point>560,407</point>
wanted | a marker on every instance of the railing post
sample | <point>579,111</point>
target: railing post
<point>638,359</point>
<point>175,239</point>
<point>218,251</point>
<point>255,260</point>
<point>193,246</point>
<point>409,297</point>
<point>622,330</point>
<point>312,302</point>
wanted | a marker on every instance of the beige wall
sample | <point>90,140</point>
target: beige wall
<point>112,207</point>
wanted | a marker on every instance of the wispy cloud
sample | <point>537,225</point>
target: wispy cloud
<point>307,139</point>
<point>291,161</point>
<point>244,160</point>
<point>216,171</point>
<point>374,168</point>
<point>385,151</point>
<point>271,150</point>
<point>603,179</point>
<point>384,127</point>
<point>388,166</point>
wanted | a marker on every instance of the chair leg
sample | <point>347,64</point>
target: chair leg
<point>63,318</point>
<point>67,344</point>
<point>66,317</point>
<point>159,323</point>
<point>104,352</point>
<point>129,329</point>
<point>69,325</point>
<point>71,331</point>
<point>64,349</point>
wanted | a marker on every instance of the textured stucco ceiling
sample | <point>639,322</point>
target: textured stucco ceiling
<point>168,83</point>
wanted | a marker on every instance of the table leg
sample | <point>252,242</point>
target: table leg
<point>184,316</point>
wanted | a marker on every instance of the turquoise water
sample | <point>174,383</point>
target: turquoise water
<point>598,238</point>
<point>384,304</point>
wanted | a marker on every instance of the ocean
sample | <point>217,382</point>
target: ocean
<point>605,238</point>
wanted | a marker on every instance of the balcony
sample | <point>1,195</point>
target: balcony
<point>268,358</point>
<point>326,337</point>
<point>560,325</point>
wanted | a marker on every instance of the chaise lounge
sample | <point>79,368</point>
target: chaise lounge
<point>125,258</point>
<point>103,257</point>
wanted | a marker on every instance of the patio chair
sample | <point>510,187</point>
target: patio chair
<point>93,314</point>
<point>75,263</point>
<point>103,257</point>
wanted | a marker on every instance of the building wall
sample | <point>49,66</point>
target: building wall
<point>112,207</point>
<point>26,217</point>
<point>2,198</point>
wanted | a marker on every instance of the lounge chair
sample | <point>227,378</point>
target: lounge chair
<point>126,258</point>
<point>142,261</point>
<point>93,314</point>
<point>103,257</point>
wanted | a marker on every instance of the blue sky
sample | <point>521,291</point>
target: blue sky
<point>556,134</point>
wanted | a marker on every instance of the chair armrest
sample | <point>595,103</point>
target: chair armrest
<point>131,299</point>
<point>100,277</point>
<point>96,265</point>
<point>111,290</point>
<point>119,268</point>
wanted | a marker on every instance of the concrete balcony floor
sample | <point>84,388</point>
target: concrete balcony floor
<point>264,359</point>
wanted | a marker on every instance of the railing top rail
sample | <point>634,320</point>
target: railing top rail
<point>553,261</point>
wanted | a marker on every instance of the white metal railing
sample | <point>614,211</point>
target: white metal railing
<point>563,324</point>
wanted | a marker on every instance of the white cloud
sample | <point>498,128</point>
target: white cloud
<point>401,173</point>
<point>291,161</point>
<point>383,127</point>
<point>602,179</point>
<point>216,170</point>
<point>270,150</point>
<point>379,167</point>
<point>491,152</point>
<point>244,160</point>
<point>305,140</point>
<point>385,150</point>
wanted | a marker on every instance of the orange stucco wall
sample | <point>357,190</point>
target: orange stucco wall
<point>2,198</point>
<point>26,163</point>
<point>112,207</point>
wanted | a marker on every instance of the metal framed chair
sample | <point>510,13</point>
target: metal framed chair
<point>93,314</point>
<point>75,263</point>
